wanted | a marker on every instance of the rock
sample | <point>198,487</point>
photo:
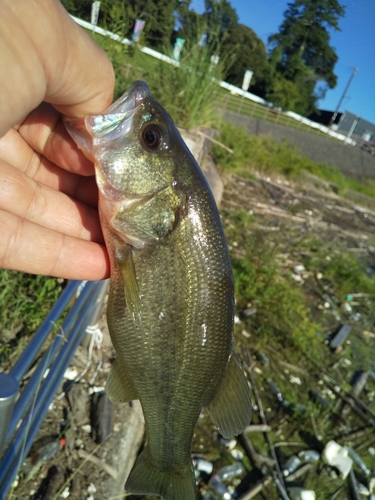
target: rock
<point>213,178</point>
<point>78,399</point>
<point>198,145</point>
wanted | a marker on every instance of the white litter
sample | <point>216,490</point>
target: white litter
<point>295,380</point>
<point>337,456</point>
<point>71,373</point>
<point>296,493</point>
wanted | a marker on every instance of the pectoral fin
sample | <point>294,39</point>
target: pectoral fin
<point>230,409</point>
<point>119,387</point>
<point>133,302</point>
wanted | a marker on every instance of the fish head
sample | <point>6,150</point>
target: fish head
<point>132,144</point>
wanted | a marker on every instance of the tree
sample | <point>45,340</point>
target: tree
<point>189,25</point>
<point>245,51</point>
<point>220,17</point>
<point>78,8</point>
<point>159,21</point>
<point>301,53</point>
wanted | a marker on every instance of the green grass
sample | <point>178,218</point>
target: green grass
<point>267,155</point>
<point>286,329</point>
<point>282,310</point>
<point>187,91</point>
<point>246,107</point>
<point>25,301</point>
<point>187,95</point>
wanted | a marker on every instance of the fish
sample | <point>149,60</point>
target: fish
<point>171,301</point>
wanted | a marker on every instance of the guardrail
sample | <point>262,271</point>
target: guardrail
<point>20,422</point>
<point>234,91</point>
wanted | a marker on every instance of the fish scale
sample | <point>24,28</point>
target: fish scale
<point>170,308</point>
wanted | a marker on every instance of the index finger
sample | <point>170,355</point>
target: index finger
<point>47,56</point>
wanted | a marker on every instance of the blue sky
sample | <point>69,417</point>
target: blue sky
<point>354,45</point>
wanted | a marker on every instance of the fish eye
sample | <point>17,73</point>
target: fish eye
<point>151,136</point>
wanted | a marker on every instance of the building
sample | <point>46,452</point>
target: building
<point>356,127</point>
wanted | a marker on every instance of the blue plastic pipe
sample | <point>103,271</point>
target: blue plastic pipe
<point>82,311</point>
<point>34,382</point>
<point>27,357</point>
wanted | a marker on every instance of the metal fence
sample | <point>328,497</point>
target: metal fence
<point>23,406</point>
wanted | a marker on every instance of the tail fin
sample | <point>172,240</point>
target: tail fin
<point>147,479</point>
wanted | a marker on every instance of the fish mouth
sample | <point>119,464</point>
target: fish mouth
<point>95,131</point>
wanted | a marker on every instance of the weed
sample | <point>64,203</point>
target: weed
<point>26,300</point>
<point>267,155</point>
<point>282,310</point>
<point>187,91</point>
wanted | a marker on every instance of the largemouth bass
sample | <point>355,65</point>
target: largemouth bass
<point>170,308</point>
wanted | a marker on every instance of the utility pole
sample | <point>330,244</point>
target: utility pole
<point>342,97</point>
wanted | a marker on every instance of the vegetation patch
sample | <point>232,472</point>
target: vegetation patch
<point>25,302</point>
<point>267,155</point>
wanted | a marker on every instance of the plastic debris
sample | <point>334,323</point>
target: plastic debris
<point>262,357</point>
<point>295,380</point>
<point>230,471</point>
<point>219,488</point>
<point>299,269</point>
<point>229,443</point>
<point>203,465</point>
<point>358,382</point>
<point>297,493</point>
<point>91,488</point>
<point>65,493</point>
<point>237,454</point>
<point>71,373</point>
<point>337,456</point>
<point>208,495</point>
<point>340,337</point>
<point>309,456</point>
<point>43,454</point>
<point>246,313</point>
<point>357,460</point>
<point>316,396</point>
<point>353,486</point>
<point>276,390</point>
<point>347,307</point>
<point>78,443</point>
<point>296,277</point>
<point>291,465</point>
<point>362,490</point>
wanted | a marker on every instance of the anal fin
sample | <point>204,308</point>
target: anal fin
<point>230,409</point>
<point>119,387</point>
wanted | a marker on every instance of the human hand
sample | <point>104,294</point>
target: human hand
<point>48,196</point>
